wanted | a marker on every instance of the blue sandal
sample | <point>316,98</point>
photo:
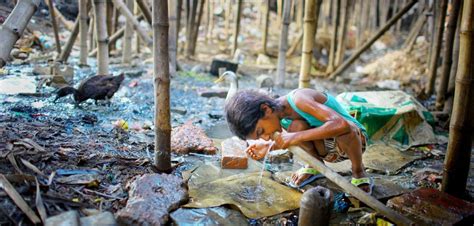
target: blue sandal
<point>314,175</point>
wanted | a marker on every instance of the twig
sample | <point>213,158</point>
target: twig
<point>18,200</point>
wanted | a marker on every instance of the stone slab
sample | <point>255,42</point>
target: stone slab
<point>233,154</point>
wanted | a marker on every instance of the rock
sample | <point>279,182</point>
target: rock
<point>233,154</point>
<point>151,198</point>
<point>190,138</point>
<point>69,218</point>
<point>222,92</point>
<point>105,218</point>
<point>179,110</point>
<point>280,156</point>
<point>389,84</point>
<point>216,64</point>
<point>263,60</point>
<point>216,114</point>
<point>428,206</point>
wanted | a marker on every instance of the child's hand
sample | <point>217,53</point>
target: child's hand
<point>284,140</point>
<point>258,150</point>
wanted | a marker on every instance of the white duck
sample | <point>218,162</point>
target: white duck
<point>230,77</point>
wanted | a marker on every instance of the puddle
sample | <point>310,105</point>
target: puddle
<point>15,85</point>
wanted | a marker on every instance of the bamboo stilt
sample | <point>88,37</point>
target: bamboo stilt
<point>193,4</point>
<point>295,44</point>
<point>228,14</point>
<point>136,12</point>
<point>102,38</point>
<point>266,13</point>
<point>127,38</point>
<point>279,12</point>
<point>311,16</point>
<point>178,20</point>
<point>110,21</point>
<point>448,54</point>
<point>236,26</point>
<point>335,22</point>
<point>458,154</point>
<point>91,31</point>
<point>357,20</point>
<point>66,51</point>
<point>341,45</point>
<point>195,30</point>
<point>327,14</point>
<point>438,40</point>
<point>67,24</point>
<point>55,26</point>
<point>13,27</point>
<point>454,67</point>
<point>162,86</point>
<point>173,11</point>
<point>210,30</point>
<point>281,67</point>
<point>145,10</point>
<point>83,28</point>
<point>371,41</point>
<point>299,13</point>
<point>411,39</point>
<point>364,22</point>
<point>136,26</point>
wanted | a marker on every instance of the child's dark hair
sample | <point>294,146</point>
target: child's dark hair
<point>244,110</point>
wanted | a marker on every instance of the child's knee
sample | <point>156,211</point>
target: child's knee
<point>298,125</point>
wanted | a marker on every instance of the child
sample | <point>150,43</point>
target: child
<point>313,120</point>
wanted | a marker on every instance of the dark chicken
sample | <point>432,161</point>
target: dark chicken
<point>99,87</point>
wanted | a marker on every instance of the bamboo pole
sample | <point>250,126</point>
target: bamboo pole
<point>357,20</point>
<point>281,67</point>
<point>127,38</point>
<point>91,31</point>
<point>173,11</point>
<point>279,12</point>
<point>55,26</point>
<point>364,21</point>
<point>67,24</point>
<point>110,21</point>
<point>236,26</point>
<point>162,86</point>
<point>296,43</point>
<point>371,41</point>
<point>266,13</point>
<point>190,23</point>
<point>210,28</point>
<point>136,26</point>
<point>102,38</point>
<point>136,12</point>
<point>228,13</point>
<point>145,10</point>
<point>335,21</point>
<point>438,40</point>
<point>341,42</point>
<point>83,27</point>
<point>327,15</point>
<point>178,20</point>
<point>195,30</point>
<point>13,27</point>
<point>415,31</point>
<point>299,13</point>
<point>311,16</point>
<point>66,51</point>
<point>448,54</point>
<point>458,155</point>
<point>451,85</point>
<point>350,188</point>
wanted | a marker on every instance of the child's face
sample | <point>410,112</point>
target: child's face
<point>266,126</point>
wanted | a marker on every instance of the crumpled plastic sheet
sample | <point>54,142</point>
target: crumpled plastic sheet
<point>208,216</point>
<point>245,192</point>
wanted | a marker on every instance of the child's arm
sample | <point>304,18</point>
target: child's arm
<point>258,148</point>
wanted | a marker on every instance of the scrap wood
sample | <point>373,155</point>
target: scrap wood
<point>32,167</point>
<point>11,158</point>
<point>29,143</point>
<point>18,200</point>
<point>39,203</point>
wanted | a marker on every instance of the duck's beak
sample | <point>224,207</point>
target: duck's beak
<point>220,79</point>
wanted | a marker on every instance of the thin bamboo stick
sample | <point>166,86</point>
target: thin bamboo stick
<point>448,54</point>
<point>67,24</point>
<point>266,13</point>
<point>457,160</point>
<point>83,27</point>
<point>110,21</point>
<point>195,30</point>
<point>371,41</point>
<point>236,26</point>
<point>136,26</point>
<point>311,16</point>
<point>228,14</point>
<point>55,26</point>
<point>210,28</point>
<point>437,43</point>
<point>192,7</point>
<point>341,42</point>
<point>102,38</point>
<point>145,10</point>
<point>13,27</point>
<point>162,86</point>
<point>66,51</point>
<point>332,49</point>
<point>127,38</point>
<point>281,67</point>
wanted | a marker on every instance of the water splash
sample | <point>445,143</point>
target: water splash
<point>264,161</point>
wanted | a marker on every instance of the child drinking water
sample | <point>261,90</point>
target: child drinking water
<point>313,120</point>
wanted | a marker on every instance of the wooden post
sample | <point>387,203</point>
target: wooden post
<point>437,43</point>
<point>173,11</point>
<point>448,106</point>
<point>192,7</point>
<point>55,26</point>
<point>228,14</point>
<point>236,26</point>
<point>327,15</point>
<point>13,27</point>
<point>210,28</point>
<point>102,38</point>
<point>448,54</point>
<point>66,51</point>
<point>67,24</point>
<point>371,41</point>
<point>311,16</point>
<point>350,188</point>
<point>341,45</point>
<point>458,155</point>
<point>83,27</point>
<point>145,10</point>
<point>195,30</point>
<point>127,38</point>
<point>136,12</point>
<point>162,86</point>
<point>358,20</point>
<point>91,32</point>
<point>335,21</point>
<point>110,21</point>
<point>364,21</point>
<point>266,13</point>
<point>281,67</point>
<point>136,25</point>
<point>417,27</point>
<point>179,7</point>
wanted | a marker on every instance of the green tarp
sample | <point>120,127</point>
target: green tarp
<point>391,117</point>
